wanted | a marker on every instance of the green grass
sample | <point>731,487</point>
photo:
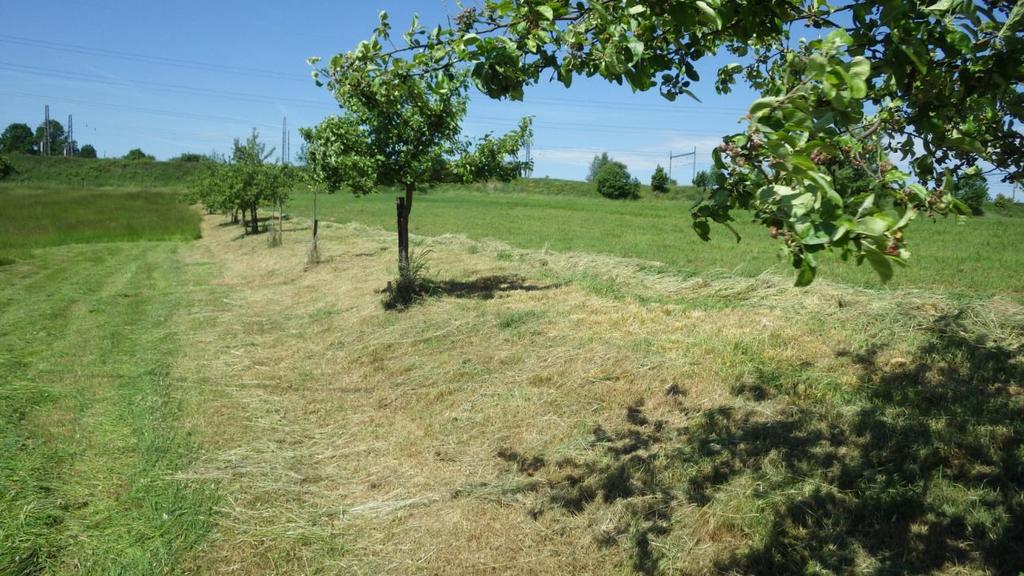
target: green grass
<point>88,414</point>
<point>81,172</point>
<point>38,217</point>
<point>976,257</point>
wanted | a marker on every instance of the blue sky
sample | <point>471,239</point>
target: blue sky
<point>189,76</point>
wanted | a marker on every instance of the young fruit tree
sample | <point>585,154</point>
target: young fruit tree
<point>935,82</point>
<point>659,180</point>
<point>400,128</point>
<point>242,185</point>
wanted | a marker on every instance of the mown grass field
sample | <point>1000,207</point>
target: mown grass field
<point>90,414</point>
<point>37,217</point>
<point>201,403</point>
<point>978,256</point>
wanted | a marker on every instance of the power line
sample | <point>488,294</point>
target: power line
<point>162,60</point>
<point>149,111</point>
<point>95,79</point>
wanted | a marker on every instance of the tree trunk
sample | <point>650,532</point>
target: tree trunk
<point>255,224</point>
<point>403,238</point>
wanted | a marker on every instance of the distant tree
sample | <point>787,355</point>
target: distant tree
<point>136,154</point>
<point>613,181</point>
<point>1001,201</point>
<point>659,180</point>
<point>57,137</point>
<point>17,139</point>
<point>596,164</point>
<point>972,190</point>
<point>87,151</point>
<point>702,180</point>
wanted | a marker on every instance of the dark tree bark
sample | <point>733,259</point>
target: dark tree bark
<point>254,224</point>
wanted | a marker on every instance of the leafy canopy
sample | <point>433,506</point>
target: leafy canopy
<point>936,83</point>
<point>17,139</point>
<point>659,180</point>
<point>613,181</point>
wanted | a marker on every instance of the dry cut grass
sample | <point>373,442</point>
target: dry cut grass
<point>351,440</point>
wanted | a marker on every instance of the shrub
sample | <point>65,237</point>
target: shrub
<point>659,180</point>
<point>87,151</point>
<point>613,181</point>
<point>5,168</point>
<point>972,190</point>
<point>138,154</point>
<point>189,157</point>
<point>1001,201</point>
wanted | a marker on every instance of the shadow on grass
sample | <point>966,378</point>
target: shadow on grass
<point>483,288</point>
<point>400,295</point>
<point>924,472</point>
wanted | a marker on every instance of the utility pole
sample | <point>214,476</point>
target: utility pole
<point>69,146</point>
<point>284,142</point>
<point>46,131</point>
<point>672,157</point>
<point>527,154</point>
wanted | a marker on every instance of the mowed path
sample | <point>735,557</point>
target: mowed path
<point>89,413</point>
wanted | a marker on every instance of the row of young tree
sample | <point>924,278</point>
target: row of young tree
<point>239,185</point>
<point>847,99</point>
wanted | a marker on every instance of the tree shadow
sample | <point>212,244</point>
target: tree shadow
<point>402,294</point>
<point>484,287</point>
<point>923,471</point>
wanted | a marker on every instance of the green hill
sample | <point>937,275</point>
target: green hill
<point>81,172</point>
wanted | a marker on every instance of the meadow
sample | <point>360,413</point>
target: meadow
<point>37,217</point>
<point>586,388</point>
<point>975,256</point>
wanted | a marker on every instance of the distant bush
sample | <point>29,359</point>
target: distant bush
<point>613,181</point>
<point>87,152</point>
<point>973,191</point>
<point>5,168</point>
<point>1001,201</point>
<point>189,157</point>
<point>659,180</point>
<point>137,154</point>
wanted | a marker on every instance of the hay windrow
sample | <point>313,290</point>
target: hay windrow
<point>354,440</point>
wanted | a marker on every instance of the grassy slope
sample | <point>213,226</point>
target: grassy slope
<point>37,217</point>
<point>89,417</point>
<point>973,257</point>
<point>81,172</point>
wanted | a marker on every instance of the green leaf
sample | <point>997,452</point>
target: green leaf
<point>881,263</point>
<point>763,105</point>
<point>703,229</point>
<point>710,13</point>
<point>806,275</point>
<point>636,47</point>
<point>547,12</point>
<point>1014,21</point>
<point>941,6</point>
<point>872,226</point>
<point>637,9</point>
